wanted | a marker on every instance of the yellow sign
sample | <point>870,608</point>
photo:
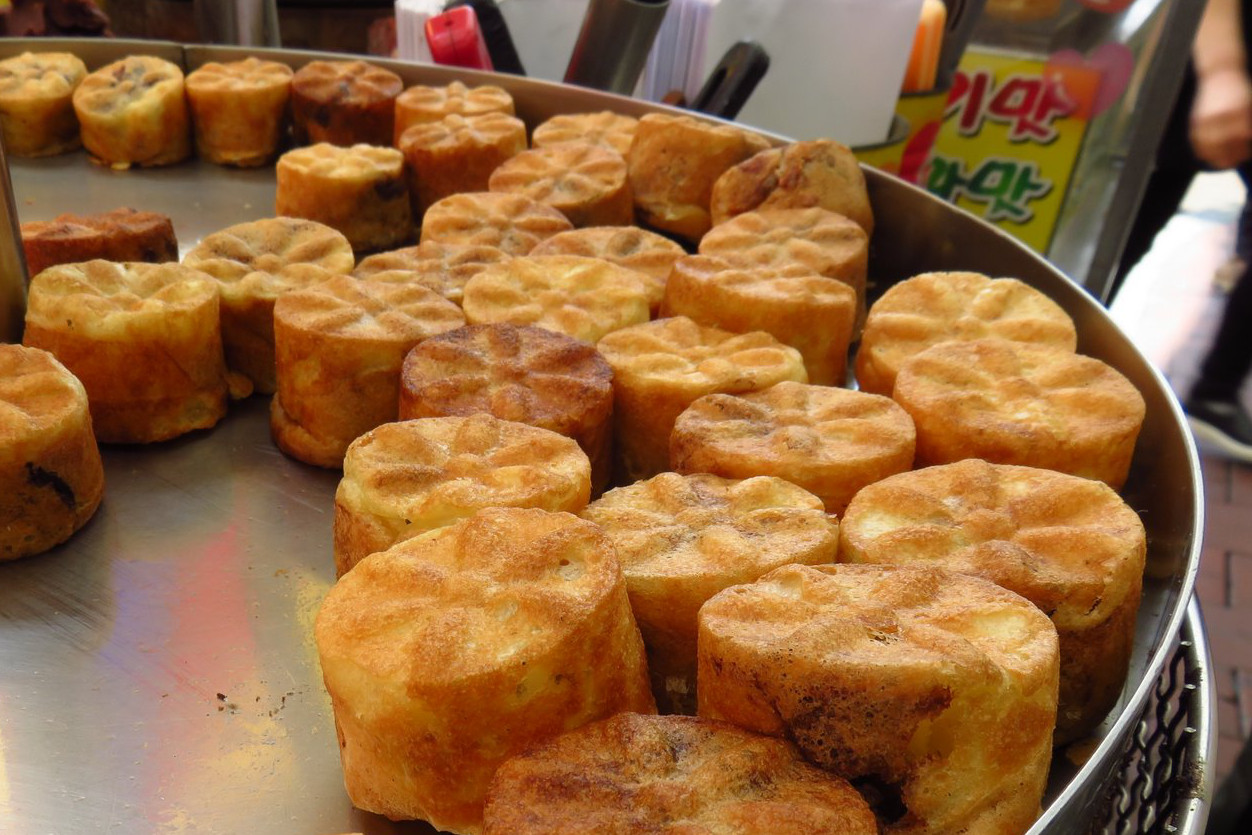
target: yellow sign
<point>1010,138</point>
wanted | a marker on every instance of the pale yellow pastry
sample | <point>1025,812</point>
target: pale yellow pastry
<point>444,268</point>
<point>462,647</point>
<point>670,774</point>
<point>1069,545</point>
<point>809,312</point>
<point>937,307</point>
<point>674,161</point>
<point>1018,403</point>
<point>821,173</point>
<point>830,441</point>
<point>145,340</point>
<point>681,539</point>
<point>134,112</point>
<point>586,183</point>
<point>51,476</point>
<point>254,263</point>
<point>36,103</point>
<point>338,347</point>
<point>937,687</point>
<point>423,103</point>
<point>239,110</point>
<point>828,244</point>
<point>405,478</point>
<point>525,374</point>
<point>661,367</point>
<point>585,298</point>
<point>359,191</point>
<point>344,103</point>
<point>510,222</point>
<point>457,154</point>
<point>647,253</point>
<point>607,129</point>
<point>116,235</point>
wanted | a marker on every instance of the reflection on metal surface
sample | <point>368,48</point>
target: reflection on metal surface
<point>157,671</point>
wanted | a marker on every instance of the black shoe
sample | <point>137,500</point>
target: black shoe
<point>1222,425</point>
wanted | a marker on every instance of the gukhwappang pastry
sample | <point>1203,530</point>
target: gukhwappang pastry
<point>344,103</point>
<point>121,234</point>
<point>518,373</point>
<point>647,253</point>
<point>585,298</point>
<point>939,307</point>
<point>36,103</point>
<point>1017,403</point>
<point>661,367</point>
<point>457,154</point>
<point>338,349</point>
<point>51,476</point>
<point>605,128</point>
<point>465,646</point>
<point>830,441</point>
<point>811,313</point>
<point>935,692</point>
<point>256,262</point>
<point>820,172</point>
<point>134,112</point>
<point>586,183</point>
<point>1070,545</point>
<point>513,223</point>
<point>681,539</point>
<point>404,478</point>
<point>635,773</point>
<point>424,103</point>
<point>359,190</point>
<point>145,340</point>
<point>444,268</point>
<point>239,110</point>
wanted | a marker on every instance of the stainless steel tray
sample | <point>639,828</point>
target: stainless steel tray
<point>157,672</point>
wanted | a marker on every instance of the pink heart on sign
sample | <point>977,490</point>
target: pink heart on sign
<point>1115,63</point>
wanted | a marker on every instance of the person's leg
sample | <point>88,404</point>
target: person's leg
<point>1213,409</point>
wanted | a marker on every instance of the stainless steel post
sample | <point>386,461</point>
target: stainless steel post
<point>241,22</point>
<point>12,260</point>
<point>614,43</point>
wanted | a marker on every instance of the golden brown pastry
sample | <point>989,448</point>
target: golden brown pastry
<point>344,103</point>
<point>832,442</point>
<point>607,129</point>
<point>359,191</point>
<point>457,154</point>
<point>1069,545</point>
<point>51,476</point>
<point>1017,403</point>
<point>585,298</point>
<point>422,103</point>
<point>681,539</point>
<point>828,244</point>
<point>338,347</point>
<point>467,645</point>
<point>674,161</point>
<point>405,478</point>
<point>144,339</point>
<point>116,235</point>
<point>444,268</point>
<point>820,173</point>
<point>647,253</point>
<point>809,312</point>
<point>525,374</point>
<point>937,688</point>
<point>937,307</point>
<point>254,263</point>
<point>661,367</point>
<point>651,774</point>
<point>511,222</point>
<point>133,112</point>
<point>239,110</point>
<point>586,183</point>
<point>36,103</point>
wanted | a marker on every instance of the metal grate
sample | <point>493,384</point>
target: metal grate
<point>1164,765</point>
